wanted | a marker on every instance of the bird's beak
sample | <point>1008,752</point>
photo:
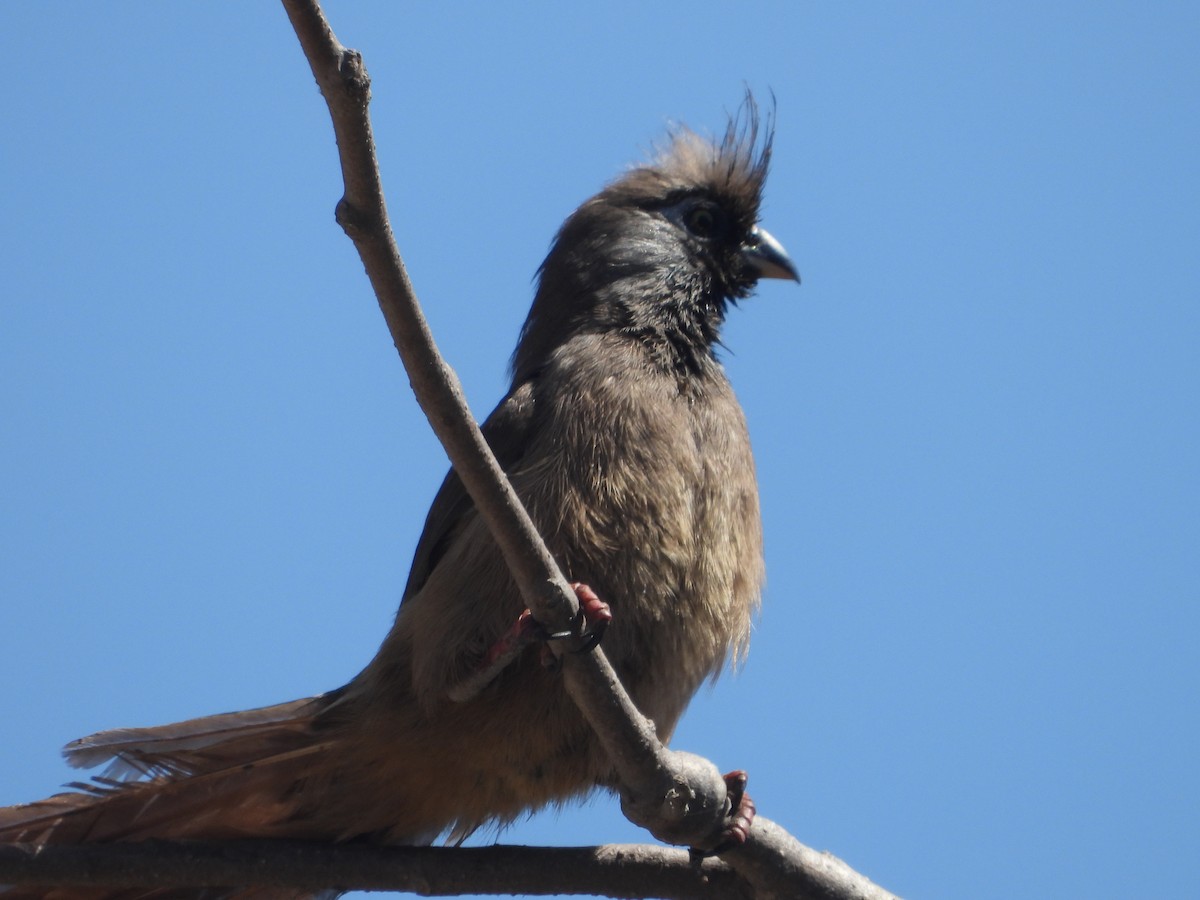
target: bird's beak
<point>766,256</point>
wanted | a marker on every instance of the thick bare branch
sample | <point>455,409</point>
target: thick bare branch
<point>618,870</point>
<point>780,867</point>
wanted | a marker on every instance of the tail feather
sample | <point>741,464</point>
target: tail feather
<point>144,750</point>
<point>237,800</point>
<point>223,776</point>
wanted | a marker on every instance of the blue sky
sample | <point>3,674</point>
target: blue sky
<point>976,423</point>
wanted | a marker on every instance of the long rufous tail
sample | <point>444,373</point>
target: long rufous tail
<point>218,777</point>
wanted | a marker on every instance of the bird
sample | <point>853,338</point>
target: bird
<point>622,435</point>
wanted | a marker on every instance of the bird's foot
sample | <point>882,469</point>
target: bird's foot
<point>740,817</point>
<point>594,614</point>
<point>589,627</point>
<point>741,811</point>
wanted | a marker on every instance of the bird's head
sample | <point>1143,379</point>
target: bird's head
<point>661,251</point>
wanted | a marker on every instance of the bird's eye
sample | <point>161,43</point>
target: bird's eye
<point>701,221</point>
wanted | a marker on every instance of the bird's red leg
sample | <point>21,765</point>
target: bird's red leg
<point>527,630</point>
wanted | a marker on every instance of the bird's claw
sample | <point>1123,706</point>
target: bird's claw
<point>741,811</point>
<point>587,630</point>
<point>736,830</point>
<point>590,623</point>
<point>596,616</point>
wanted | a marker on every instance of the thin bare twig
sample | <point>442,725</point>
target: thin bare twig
<point>362,213</point>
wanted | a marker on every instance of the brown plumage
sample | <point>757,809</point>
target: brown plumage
<point>623,437</point>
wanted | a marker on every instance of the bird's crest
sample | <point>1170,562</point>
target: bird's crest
<point>733,168</point>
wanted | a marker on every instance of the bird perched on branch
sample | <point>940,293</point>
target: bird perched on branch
<point>622,436</point>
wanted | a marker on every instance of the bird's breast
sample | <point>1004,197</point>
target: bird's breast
<point>648,494</point>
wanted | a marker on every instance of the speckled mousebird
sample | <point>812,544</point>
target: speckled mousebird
<point>622,435</point>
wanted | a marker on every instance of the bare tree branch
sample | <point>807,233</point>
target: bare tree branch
<point>618,870</point>
<point>362,213</point>
<point>779,866</point>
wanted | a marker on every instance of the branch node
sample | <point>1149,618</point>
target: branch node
<point>688,805</point>
<point>355,80</point>
<point>353,220</point>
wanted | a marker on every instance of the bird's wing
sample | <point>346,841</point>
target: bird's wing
<point>506,431</point>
